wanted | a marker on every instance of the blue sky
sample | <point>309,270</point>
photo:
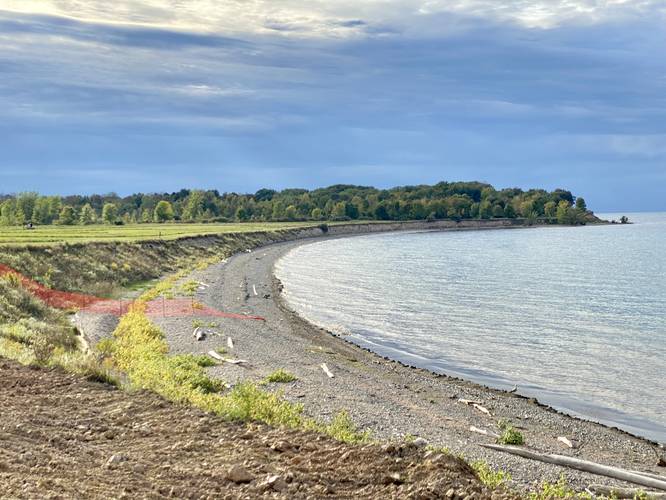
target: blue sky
<point>157,95</point>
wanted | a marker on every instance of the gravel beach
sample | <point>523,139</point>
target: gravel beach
<point>388,398</point>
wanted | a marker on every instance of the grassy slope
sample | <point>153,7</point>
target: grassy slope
<point>47,235</point>
<point>102,268</point>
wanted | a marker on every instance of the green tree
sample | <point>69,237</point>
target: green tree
<point>526,208</point>
<point>291,213</point>
<point>381,212</point>
<point>110,213</point>
<point>550,209</point>
<point>351,211</point>
<point>316,214</point>
<point>194,206</point>
<point>485,210</point>
<point>67,216</point>
<point>41,213</point>
<point>146,215</point>
<point>25,205</point>
<point>163,211</point>
<point>566,214</point>
<point>339,210</point>
<point>8,213</point>
<point>242,214</point>
<point>581,206</point>
<point>88,215</point>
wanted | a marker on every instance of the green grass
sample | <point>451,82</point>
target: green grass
<point>280,377</point>
<point>34,334</point>
<point>47,235</point>
<point>491,478</point>
<point>140,350</point>
<point>560,489</point>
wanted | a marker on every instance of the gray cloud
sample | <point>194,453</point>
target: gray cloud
<point>485,100</point>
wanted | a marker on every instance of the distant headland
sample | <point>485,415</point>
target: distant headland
<point>341,202</point>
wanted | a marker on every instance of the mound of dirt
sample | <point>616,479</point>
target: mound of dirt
<point>62,437</point>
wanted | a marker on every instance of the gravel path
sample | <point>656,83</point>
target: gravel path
<point>390,399</point>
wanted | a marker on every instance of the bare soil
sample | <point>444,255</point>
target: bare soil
<point>65,437</point>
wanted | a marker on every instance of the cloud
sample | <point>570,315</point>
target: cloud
<point>339,18</point>
<point>307,93</point>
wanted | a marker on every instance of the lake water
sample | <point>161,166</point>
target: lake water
<point>575,316</point>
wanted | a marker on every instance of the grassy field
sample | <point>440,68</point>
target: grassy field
<point>44,235</point>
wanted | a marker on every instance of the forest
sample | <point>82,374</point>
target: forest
<point>445,200</point>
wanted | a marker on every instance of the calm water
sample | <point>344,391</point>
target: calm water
<point>573,316</point>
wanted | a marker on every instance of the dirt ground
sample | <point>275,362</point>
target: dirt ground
<point>65,437</point>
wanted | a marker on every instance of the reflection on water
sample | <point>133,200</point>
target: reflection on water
<point>573,316</point>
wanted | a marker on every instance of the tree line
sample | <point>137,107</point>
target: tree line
<point>445,200</point>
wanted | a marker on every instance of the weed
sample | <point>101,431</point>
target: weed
<point>141,351</point>
<point>510,435</point>
<point>280,377</point>
<point>189,287</point>
<point>342,428</point>
<point>491,478</point>
<point>560,489</point>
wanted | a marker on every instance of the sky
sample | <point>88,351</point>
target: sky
<point>236,95</point>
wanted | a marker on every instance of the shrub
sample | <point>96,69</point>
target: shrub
<point>510,435</point>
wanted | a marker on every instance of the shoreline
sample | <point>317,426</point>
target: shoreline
<point>389,398</point>
<point>489,382</point>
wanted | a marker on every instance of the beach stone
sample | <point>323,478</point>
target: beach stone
<point>116,459</point>
<point>420,442</point>
<point>274,482</point>
<point>239,474</point>
<point>281,446</point>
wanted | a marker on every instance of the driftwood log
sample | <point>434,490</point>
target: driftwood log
<point>484,432</point>
<point>612,492</point>
<point>649,481</point>
<point>326,370</point>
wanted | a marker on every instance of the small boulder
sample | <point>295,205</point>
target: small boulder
<point>419,442</point>
<point>239,474</point>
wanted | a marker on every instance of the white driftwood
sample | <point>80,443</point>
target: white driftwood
<point>230,343</point>
<point>234,361</point>
<point>198,334</point>
<point>483,431</point>
<point>565,441</point>
<point>215,355</point>
<point>326,370</point>
<point>612,492</point>
<point>469,402</point>
<point>482,409</point>
<point>254,289</point>
<point>585,466</point>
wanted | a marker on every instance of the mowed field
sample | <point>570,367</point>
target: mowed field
<point>45,235</point>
